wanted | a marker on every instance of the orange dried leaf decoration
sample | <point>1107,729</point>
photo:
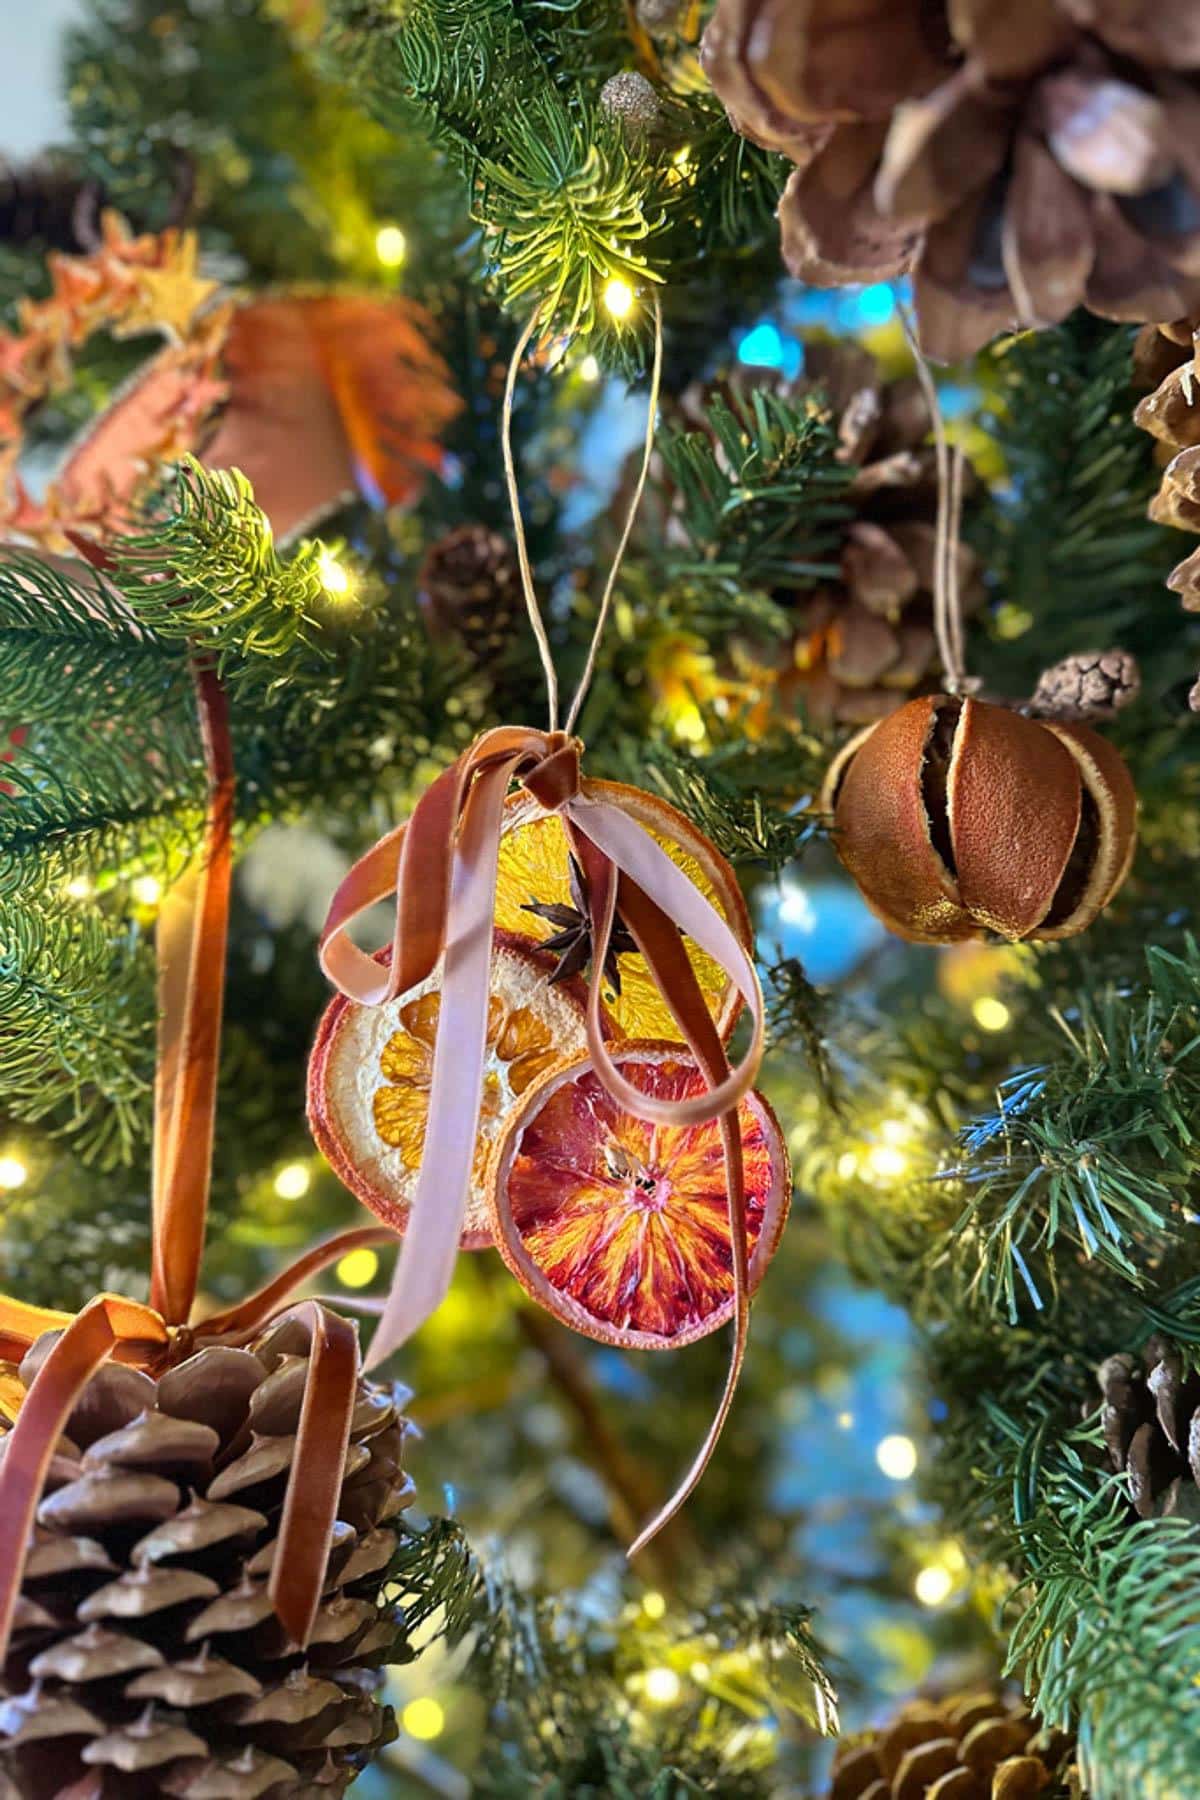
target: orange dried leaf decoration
<point>322,395</point>
<point>330,394</point>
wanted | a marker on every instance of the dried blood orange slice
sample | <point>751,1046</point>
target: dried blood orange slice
<point>621,1228</point>
<point>371,1067</point>
<point>535,866</point>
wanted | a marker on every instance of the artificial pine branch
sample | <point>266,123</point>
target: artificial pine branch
<point>1093,1151</point>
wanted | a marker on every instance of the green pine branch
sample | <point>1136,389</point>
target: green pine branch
<point>76,1026</point>
<point>1090,1153</point>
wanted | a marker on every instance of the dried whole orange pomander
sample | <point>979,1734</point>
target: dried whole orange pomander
<point>957,817</point>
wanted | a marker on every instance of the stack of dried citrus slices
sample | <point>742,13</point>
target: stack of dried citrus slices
<point>618,1227</point>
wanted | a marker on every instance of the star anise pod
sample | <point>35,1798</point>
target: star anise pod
<point>572,942</point>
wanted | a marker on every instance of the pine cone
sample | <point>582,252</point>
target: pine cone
<point>864,645</point>
<point>146,1655</point>
<point>1092,684</point>
<point>470,588</point>
<point>1021,161</point>
<point>974,1746</point>
<point>1167,357</point>
<point>1151,1423</point>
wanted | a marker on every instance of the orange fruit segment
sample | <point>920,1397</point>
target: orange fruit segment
<point>534,866</point>
<point>619,1227</point>
<point>372,1066</point>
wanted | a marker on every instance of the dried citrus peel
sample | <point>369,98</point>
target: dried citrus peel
<point>620,1227</point>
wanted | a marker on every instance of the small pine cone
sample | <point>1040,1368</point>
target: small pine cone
<point>973,1746</point>
<point>1151,1423</point>
<point>146,1657</point>
<point>1092,684</point>
<point>470,588</point>
<point>632,102</point>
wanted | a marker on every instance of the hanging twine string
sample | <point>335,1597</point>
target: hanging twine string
<point>947,597</point>
<point>514,499</point>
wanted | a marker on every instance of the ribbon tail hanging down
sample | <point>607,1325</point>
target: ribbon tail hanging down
<point>662,947</point>
<point>430,1246</point>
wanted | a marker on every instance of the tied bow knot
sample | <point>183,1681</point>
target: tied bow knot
<point>554,781</point>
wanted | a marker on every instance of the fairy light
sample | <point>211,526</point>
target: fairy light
<point>423,1719</point>
<point>333,575</point>
<point>896,1456</point>
<point>662,1686</point>
<point>589,369</point>
<point>13,1173</point>
<point>847,1165</point>
<point>358,1268</point>
<point>886,1160</point>
<point>146,890</point>
<point>78,888</point>
<point>618,298</point>
<point>653,1605</point>
<point>293,1181</point>
<point>391,246</point>
<point>933,1585</point>
<point>845,1421</point>
<point>700,1673</point>
<point>990,1013</point>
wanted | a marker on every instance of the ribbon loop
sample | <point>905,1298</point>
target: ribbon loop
<point>554,780</point>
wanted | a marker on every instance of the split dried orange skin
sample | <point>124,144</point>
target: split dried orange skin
<point>534,865</point>
<point>371,1072</point>
<point>620,1227</point>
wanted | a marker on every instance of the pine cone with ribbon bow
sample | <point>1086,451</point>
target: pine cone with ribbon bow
<point>145,1651</point>
<point>1019,161</point>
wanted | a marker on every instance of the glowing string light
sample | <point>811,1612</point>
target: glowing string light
<point>618,298</point>
<point>391,246</point>
<point>423,1719</point>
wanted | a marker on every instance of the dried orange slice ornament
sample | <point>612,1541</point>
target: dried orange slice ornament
<point>535,867</point>
<point>371,1068</point>
<point>618,1227</point>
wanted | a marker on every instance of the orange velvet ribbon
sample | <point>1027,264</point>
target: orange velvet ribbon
<point>193,927</point>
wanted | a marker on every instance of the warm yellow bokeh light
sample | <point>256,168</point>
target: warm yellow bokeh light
<point>847,1165</point>
<point>618,298</point>
<point>333,575</point>
<point>358,1268</point>
<point>933,1585</point>
<point>293,1181</point>
<point>78,888</point>
<point>887,1161</point>
<point>662,1686</point>
<point>896,1456</point>
<point>146,890</point>
<point>589,369</point>
<point>653,1605</point>
<point>391,246</point>
<point>700,1673</point>
<point>13,1173</point>
<point>845,1421</point>
<point>991,1013</point>
<point>423,1719</point>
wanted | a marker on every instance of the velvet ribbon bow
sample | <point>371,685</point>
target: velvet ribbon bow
<point>442,867</point>
<point>192,930</point>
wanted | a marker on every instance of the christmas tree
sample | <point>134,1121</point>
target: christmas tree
<point>808,403</point>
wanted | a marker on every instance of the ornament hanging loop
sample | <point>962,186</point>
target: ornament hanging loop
<point>532,605</point>
<point>947,597</point>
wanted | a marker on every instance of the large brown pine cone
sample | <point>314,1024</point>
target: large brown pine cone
<point>1151,1423</point>
<point>1166,356</point>
<point>974,1746</point>
<point>146,1659</point>
<point>1020,160</point>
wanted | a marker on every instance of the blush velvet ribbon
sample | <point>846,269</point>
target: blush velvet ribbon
<point>442,867</point>
<point>191,941</point>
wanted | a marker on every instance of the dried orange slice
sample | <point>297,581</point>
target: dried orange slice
<point>534,866</point>
<point>371,1067</point>
<point>621,1228</point>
